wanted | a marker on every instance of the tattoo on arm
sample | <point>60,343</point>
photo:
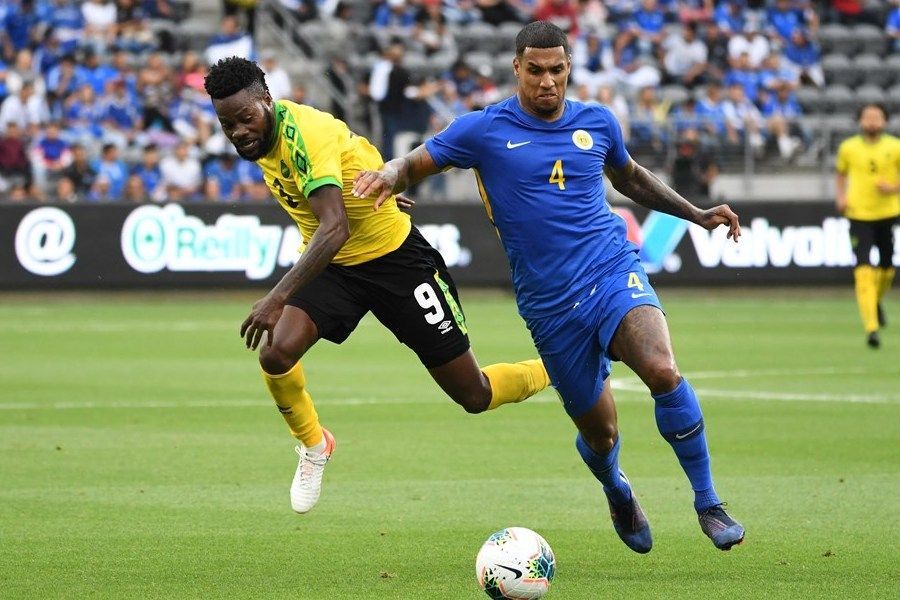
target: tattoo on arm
<point>646,189</point>
<point>413,168</point>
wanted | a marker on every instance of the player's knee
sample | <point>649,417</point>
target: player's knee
<point>663,375</point>
<point>276,360</point>
<point>473,401</point>
<point>602,437</point>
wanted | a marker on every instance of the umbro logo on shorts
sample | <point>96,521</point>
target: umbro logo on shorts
<point>445,326</point>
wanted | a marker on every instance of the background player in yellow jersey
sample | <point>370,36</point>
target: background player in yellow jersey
<point>868,194</point>
<point>356,260</point>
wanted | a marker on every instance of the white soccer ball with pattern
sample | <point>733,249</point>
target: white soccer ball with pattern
<point>515,563</point>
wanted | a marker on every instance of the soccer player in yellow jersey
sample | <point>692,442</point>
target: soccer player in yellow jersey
<point>356,260</point>
<point>868,194</point>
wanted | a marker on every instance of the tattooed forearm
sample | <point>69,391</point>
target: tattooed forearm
<point>646,189</point>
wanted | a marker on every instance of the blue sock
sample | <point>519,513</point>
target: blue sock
<point>680,422</point>
<point>605,468</point>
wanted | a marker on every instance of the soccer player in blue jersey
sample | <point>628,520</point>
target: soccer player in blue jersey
<point>539,161</point>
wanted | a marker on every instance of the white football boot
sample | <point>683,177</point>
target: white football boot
<point>307,484</point>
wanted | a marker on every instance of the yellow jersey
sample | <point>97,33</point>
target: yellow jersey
<point>865,164</point>
<point>313,149</point>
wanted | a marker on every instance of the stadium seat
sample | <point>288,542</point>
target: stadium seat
<point>838,39</point>
<point>894,125</point>
<point>840,70</point>
<point>869,93</point>
<point>892,99</point>
<point>839,128</point>
<point>874,70</point>
<point>812,99</point>
<point>475,37</point>
<point>870,38</point>
<point>478,59</point>
<point>840,99</point>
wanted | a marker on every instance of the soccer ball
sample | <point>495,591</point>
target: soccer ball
<point>515,563</point>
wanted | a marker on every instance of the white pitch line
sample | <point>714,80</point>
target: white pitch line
<point>622,384</point>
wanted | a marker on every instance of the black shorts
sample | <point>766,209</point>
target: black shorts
<point>866,234</point>
<point>409,290</point>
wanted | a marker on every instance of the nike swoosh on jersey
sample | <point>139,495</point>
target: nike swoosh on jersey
<point>633,295</point>
<point>510,145</point>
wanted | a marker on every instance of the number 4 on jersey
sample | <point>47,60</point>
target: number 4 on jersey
<point>557,176</point>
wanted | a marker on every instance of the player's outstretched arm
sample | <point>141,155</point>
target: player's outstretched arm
<point>327,204</point>
<point>395,176</point>
<point>646,189</point>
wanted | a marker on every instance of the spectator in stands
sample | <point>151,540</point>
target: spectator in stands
<point>395,17</point>
<point>561,13</point>
<point>751,43</point>
<point>25,69</point>
<point>47,55</point>
<point>98,73</point>
<point>149,172</point>
<point>230,41</point>
<point>782,112</point>
<point>686,117</point>
<point>616,102</point>
<point>495,12</point>
<point>784,17</point>
<point>276,78</point>
<point>65,191</point>
<point>648,119</point>
<point>155,86</point>
<point>113,173</point>
<point>26,109</point>
<point>717,63</point>
<point>694,169</point>
<point>133,31</point>
<point>83,115</point>
<point>746,76</point>
<point>693,11</point>
<point>592,59</point>
<point>430,35</point>
<point>774,72</point>
<point>222,183</point>
<point>388,83</point>
<point>67,23</point>
<point>121,115</point>
<point>182,174</point>
<point>100,24</point>
<point>592,15</point>
<point>461,12</point>
<point>710,108</point>
<point>302,10</point>
<point>15,168</point>
<point>744,122</point>
<point>685,57</point>
<point>64,79</point>
<point>78,177</point>
<point>892,26</point>
<point>630,68</point>
<point>803,54</point>
<point>49,157</point>
<point>23,26</point>
<point>620,11</point>
<point>253,186</point>
<point>134,190</point>
<point>4,71</point>
<point>729,16</point>
<point>647,25</point>
<point>248,7</point>
<point>191,115</point>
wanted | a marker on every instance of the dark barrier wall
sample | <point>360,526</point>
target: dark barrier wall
<point>206,245</point>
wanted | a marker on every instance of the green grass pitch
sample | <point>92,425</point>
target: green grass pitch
<point>140,457</point>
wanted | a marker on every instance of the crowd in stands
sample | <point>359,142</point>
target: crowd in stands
<point>99,102</point>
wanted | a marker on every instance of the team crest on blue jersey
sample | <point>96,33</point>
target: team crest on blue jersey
<point>583,139</point>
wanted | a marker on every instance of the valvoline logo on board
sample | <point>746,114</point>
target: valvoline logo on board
<point>657,238</point>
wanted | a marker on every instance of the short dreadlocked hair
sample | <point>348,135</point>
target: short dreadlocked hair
<point>541,34</point>
<point>233,74</point>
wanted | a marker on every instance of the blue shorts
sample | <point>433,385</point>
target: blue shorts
<point>574,344</point>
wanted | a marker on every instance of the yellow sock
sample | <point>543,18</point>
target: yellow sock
<point>866,279</point>
<point>295,404</point>
<point>515,382</point>
<point>885,279</point>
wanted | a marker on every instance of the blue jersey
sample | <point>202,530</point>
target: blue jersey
<point>542,185</point>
